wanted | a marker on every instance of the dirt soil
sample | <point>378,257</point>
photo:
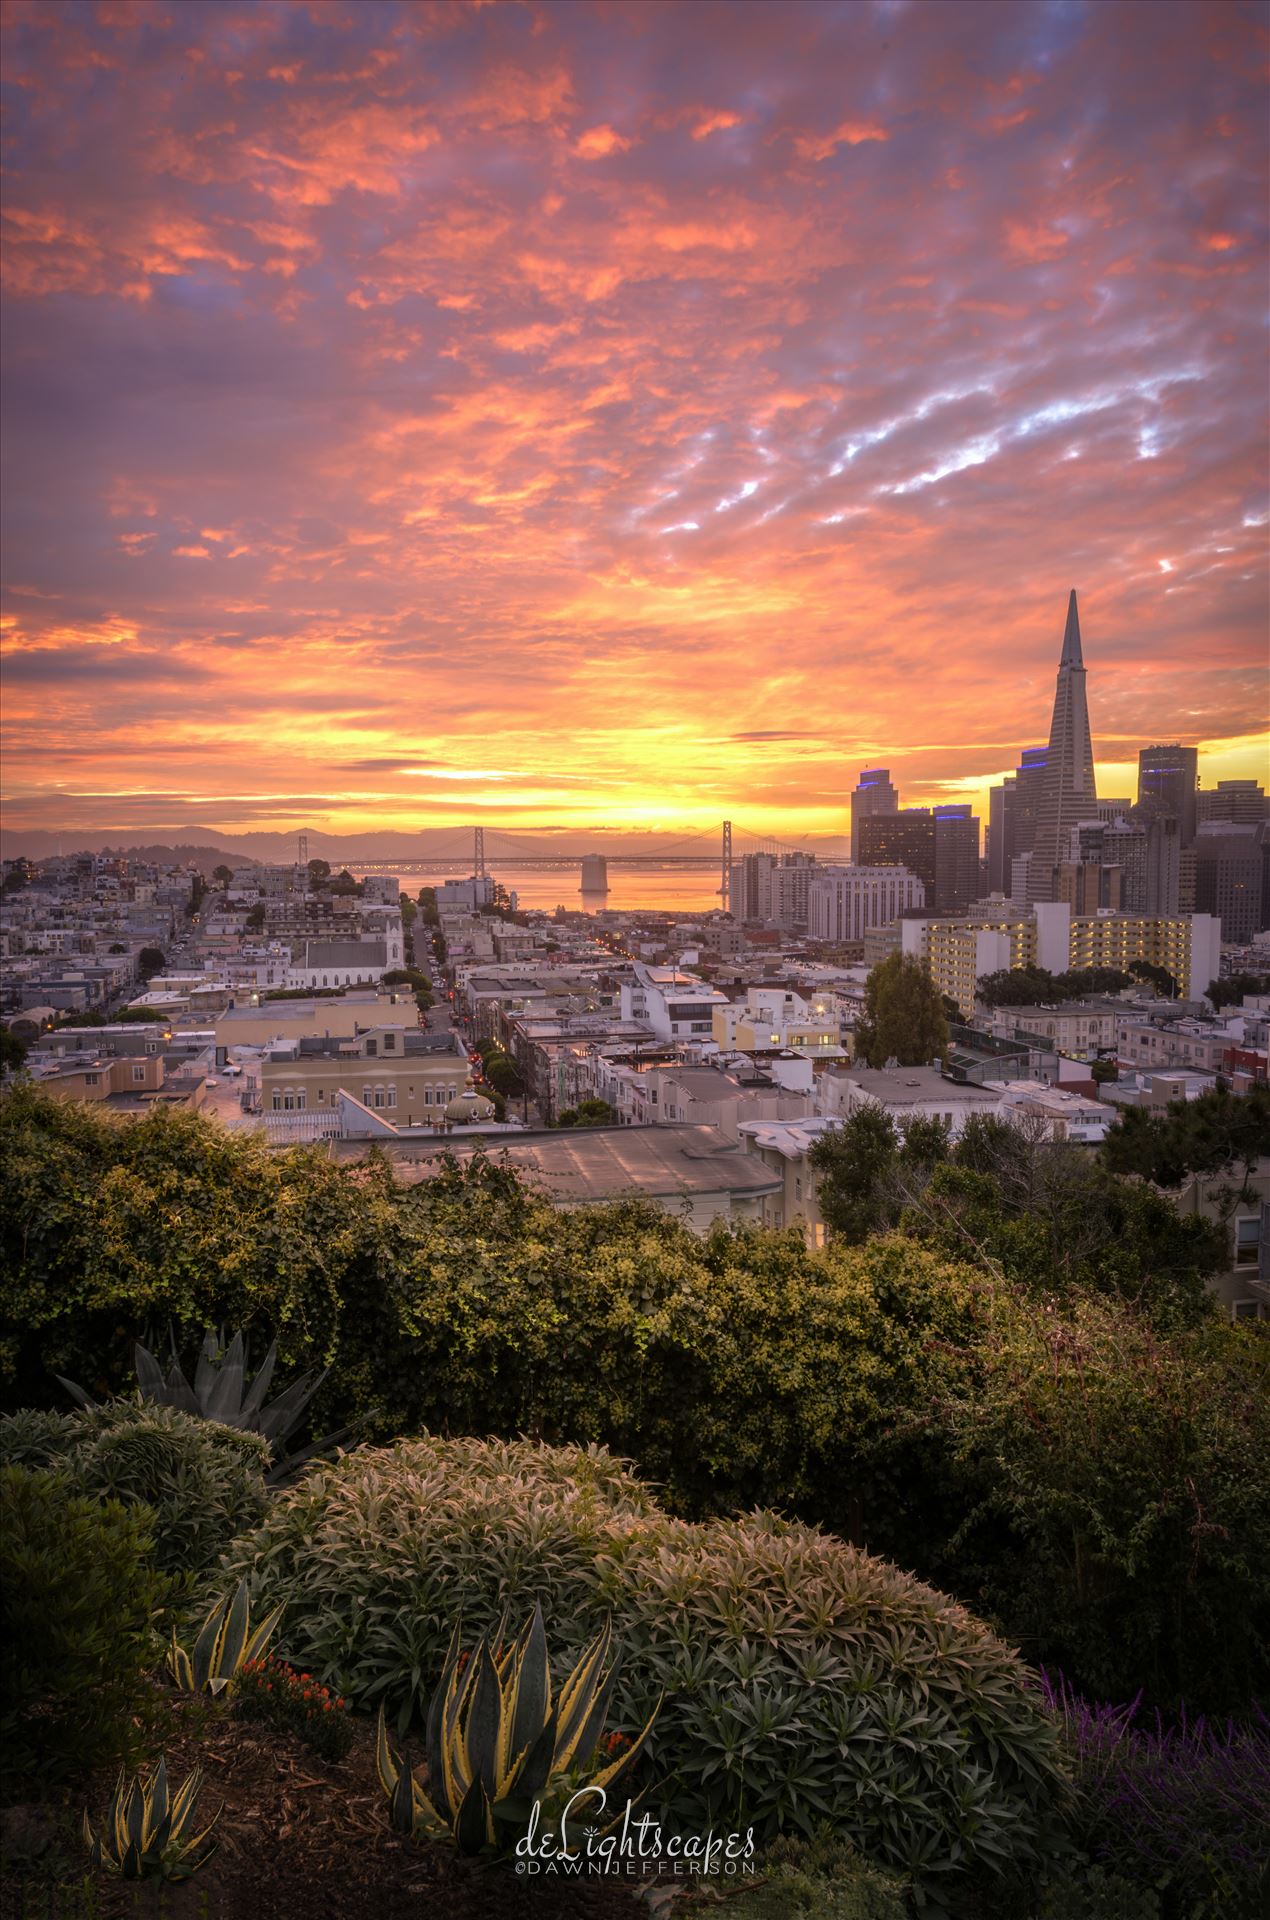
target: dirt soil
<point>299,1839</point>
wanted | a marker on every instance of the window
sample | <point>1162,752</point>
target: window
<point>390,1043</point>
<point>138,1076</point>
<point>92,1079</point>
<point>372,1048</point>
<point>1247,1237</point>
<point>427,1096</point>
<point>392,1096</point>
<point>277,1102</point>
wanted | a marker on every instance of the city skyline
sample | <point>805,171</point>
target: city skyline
<point>599,421</point>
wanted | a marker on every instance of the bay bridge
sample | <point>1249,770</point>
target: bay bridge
<point>478,849</point>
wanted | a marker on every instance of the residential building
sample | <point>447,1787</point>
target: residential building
<point>465,896</point>
<point>784,1147</point>
<point>676,1005</point>
<point>843,902</point>
<point>904,1093</point>
<point>408,1074</point>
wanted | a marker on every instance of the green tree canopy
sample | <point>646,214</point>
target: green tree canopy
<point>150,960</point>
<point>903,1015</point>
<point>1230,992</point>
<point>223,874</point>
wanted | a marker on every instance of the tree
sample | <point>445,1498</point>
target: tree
<point>1103,1072</point>
<point>256,918</point>
<point>588,1113</point>
<point>903,1017</point>
<point>319,870</point>
<point>1230,992</point>
<point>1016,987</point>
<point>1219,1133</point>
<point>1158,977</point>
<point>140,1016</point>
<point>344,884</point>
<point>12,1051</point>
<point>222,874</point>
<point>117,946</point>
<point>150,960</point>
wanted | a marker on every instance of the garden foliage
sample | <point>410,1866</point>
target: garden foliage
<point>882,1390</point>
<point>804,1682</point>
<point>203,1484</point>
<point>79,1601</point>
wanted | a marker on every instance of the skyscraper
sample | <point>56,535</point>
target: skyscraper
<point>1167,779</point>
<point>874,794</point>
<point>1068,792</point>
<point>1012,817</point>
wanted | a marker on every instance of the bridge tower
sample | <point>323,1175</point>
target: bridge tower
<point>302,849</point>
<point>725,890</point>
<point>478,852</point>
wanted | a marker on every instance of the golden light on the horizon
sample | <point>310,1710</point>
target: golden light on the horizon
<point>414,426</point>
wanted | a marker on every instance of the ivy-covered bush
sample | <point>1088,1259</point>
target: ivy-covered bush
<point>79,1600</point>
<point>804,1681</point>
<point>202,1483</point>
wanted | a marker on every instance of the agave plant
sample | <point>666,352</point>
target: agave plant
<point>225,1643</point>
<point>220,1392</point>
<point>145,1834</point>
<point>498,1739</point>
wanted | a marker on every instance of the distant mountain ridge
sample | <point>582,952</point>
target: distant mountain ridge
<point>341,848</point>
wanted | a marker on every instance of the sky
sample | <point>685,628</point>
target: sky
<point>605,418</point>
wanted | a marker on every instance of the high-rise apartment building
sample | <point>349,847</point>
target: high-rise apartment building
<point>1068,790</point>
<point>844,902</point>
<point>772,890</point>
<point>1167,782</point>
<point>873,794</point>
<point>1012,817</point>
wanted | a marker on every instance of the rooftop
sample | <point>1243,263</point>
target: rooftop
<point>911,1086</point>
<point>594,1164</point>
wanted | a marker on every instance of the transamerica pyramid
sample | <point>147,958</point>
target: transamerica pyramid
<point>1068,794</point>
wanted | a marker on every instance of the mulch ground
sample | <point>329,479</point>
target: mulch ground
<point>299,1839</point>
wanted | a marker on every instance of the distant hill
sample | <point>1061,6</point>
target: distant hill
<point>43,846</point>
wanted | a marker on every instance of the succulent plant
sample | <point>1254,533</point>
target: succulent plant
<point>499,1738</point>
<point>225,1643</point>
<point>219,1392</point>
<point>145,1834</point>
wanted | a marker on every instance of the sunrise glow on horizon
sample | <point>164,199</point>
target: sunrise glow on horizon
<point>606,419</point>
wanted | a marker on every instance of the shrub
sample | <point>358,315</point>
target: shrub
<point>33,1437</point>
<point>78,1606</point>
<point>273,1694</point>
<point>203,1483</point>
<point>822,1879</point>
<point>804,1681</point>
<point>1181,1808</point>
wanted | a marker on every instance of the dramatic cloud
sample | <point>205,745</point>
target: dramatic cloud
<point>622,415</point>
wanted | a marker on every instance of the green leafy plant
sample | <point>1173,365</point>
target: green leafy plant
<point>146,1832</point>
<point>500,1739</point>
<point>79,1602</point>
<point>219,1392</point>
<point>805,1682</point>
<point>224,1645</point>
<point>273,1693</point>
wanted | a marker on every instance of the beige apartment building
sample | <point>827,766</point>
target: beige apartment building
<point>408,1074</point>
